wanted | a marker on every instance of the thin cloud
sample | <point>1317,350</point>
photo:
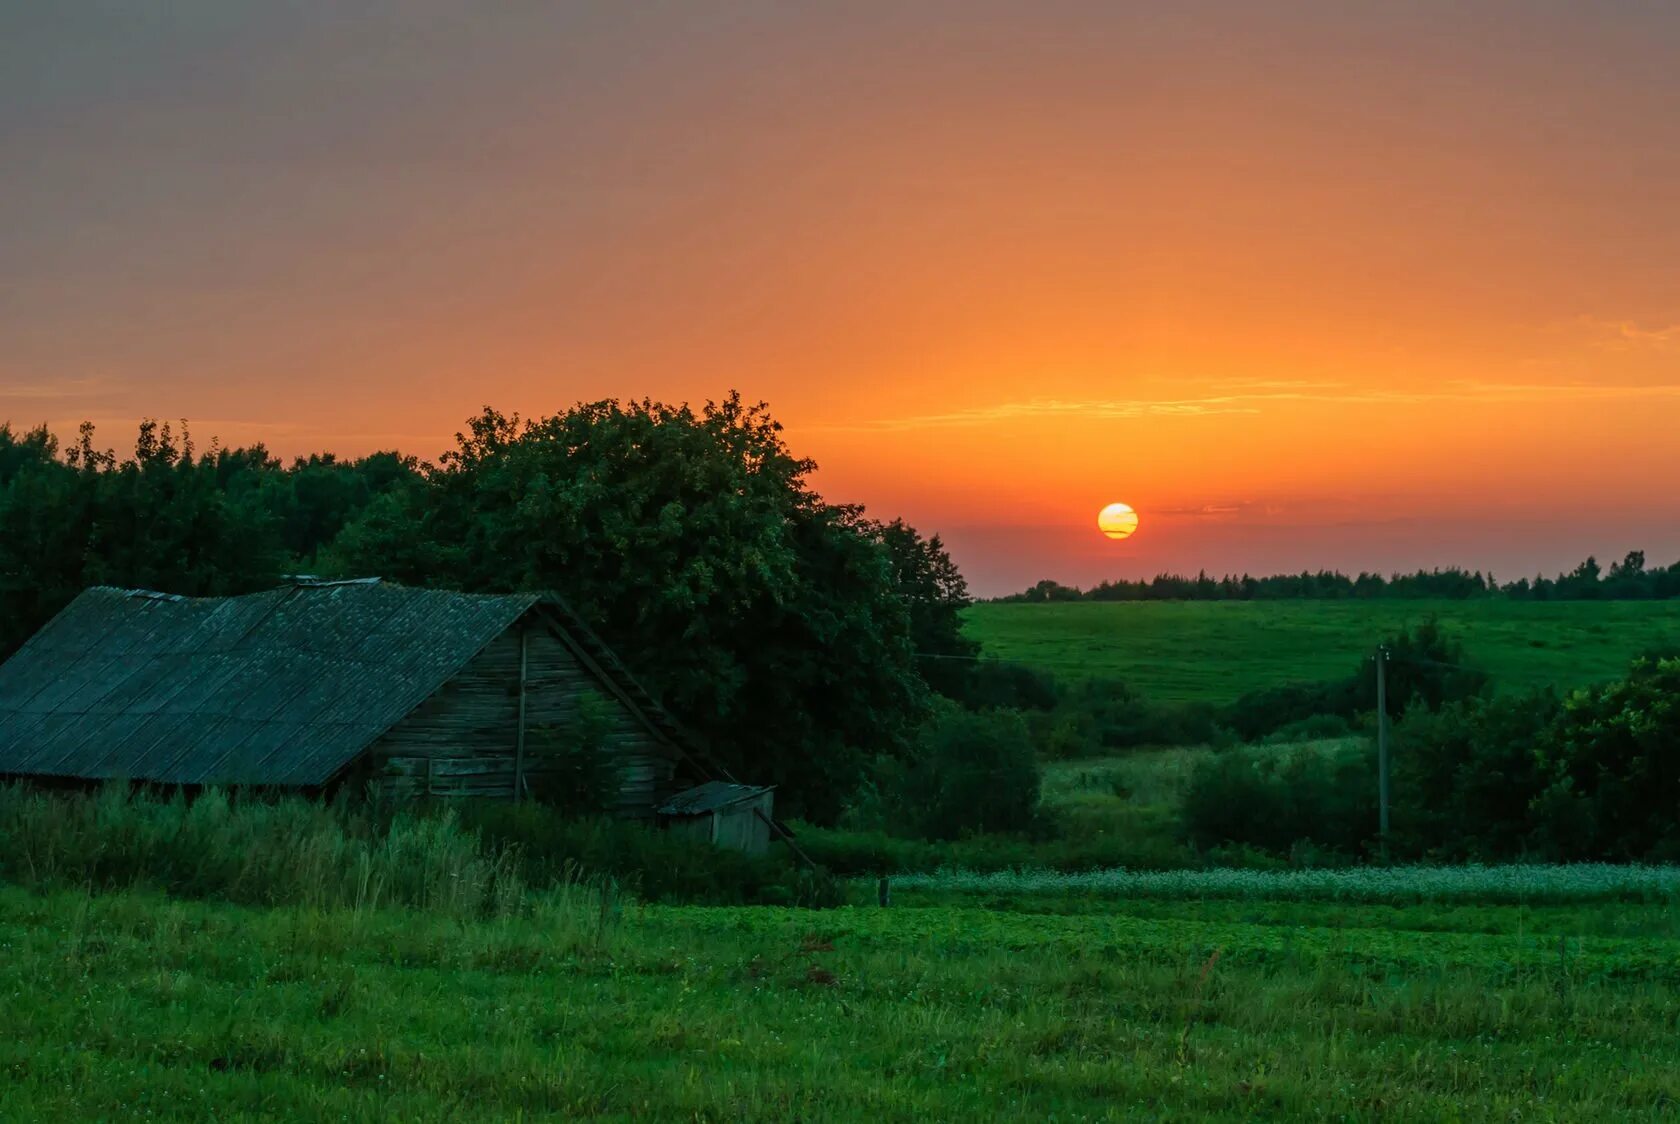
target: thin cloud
<point>54,390</point>
<point>1226,510</point>
<point>1628,335</point>
<point>1254,402</point>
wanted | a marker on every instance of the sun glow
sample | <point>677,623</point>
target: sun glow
<point>1117,521</point>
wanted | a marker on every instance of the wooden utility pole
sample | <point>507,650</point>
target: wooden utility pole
<point>1382,748</point>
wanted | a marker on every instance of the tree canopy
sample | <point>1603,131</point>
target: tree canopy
<point>782,630</point>
<point>790,635</point>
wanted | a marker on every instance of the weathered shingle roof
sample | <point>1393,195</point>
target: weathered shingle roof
<point>278,688</point>
<point>709,797</point>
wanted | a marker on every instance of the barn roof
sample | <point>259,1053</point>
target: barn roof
<point>279,688</point>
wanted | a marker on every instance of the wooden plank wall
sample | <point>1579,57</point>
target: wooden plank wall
<point>461,742</point>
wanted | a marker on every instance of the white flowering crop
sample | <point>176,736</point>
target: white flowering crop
<point>1525,882</point>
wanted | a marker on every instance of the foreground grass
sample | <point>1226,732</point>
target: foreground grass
<point>1216,651</point>
<point>127,1004</point>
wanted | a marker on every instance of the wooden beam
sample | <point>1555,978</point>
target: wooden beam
<point>519,736</point>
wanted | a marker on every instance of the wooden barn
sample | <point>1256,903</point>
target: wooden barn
<point>420,692</point>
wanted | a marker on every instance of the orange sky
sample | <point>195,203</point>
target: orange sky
<point>1307,284</point>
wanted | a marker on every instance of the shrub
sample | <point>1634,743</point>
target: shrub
<point>1269,709</point>
<point>966,773</point>
<point>1612,768</point>
<point>995,683</point>
<point>1322,793</point>
<point>570,767</point>
<point>1464,778</point>
<point>1097,717</point>
<point>653,865</point>
<point>1426,667</point>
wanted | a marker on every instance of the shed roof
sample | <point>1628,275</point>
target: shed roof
<point>280,688</point>
<point>710,797</point>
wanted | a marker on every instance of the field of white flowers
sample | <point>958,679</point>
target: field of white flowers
<point>1582,882</point>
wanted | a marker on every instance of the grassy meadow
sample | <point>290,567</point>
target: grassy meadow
<point>1214,651</point>
<point>410,976</point>
<point>127,1005</point>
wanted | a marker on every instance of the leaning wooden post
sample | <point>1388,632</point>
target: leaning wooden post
<point>519,734</point>
<point>883,892</point>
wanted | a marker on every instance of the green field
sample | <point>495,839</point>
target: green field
<point>1406,994</point>
<point>1216,650</point>
<point>128,1005</point>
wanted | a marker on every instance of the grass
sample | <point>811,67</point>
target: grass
<point>418,970</point>
<point>1216,651</point>
<point>129,1005</point>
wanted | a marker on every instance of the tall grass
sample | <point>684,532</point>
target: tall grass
<point>261,852</point>
<point>476,862</point>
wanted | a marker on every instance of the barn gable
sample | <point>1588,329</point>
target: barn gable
<point>282,688</point>
<point>464,740</point>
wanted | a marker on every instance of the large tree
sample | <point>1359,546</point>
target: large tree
<point>780,629</point>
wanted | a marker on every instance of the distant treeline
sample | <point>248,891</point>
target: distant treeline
<point>1627,580</point>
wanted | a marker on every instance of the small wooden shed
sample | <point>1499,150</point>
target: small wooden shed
<point>737,816</point>
<point>418,692</point>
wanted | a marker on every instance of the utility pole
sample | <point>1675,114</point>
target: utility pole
<point>1382,748</point>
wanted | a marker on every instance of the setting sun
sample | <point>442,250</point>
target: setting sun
<point>1117,521</point>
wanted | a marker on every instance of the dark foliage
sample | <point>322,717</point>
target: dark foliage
<point>1094,717</point>
<point>1465,776</point>
<point>1005,684</point>
<point>967,773</point>
<point>652,864</point>
<point>1593,776</point>
<point>1319,796</point>
<point>1426,667</point>
<point>572,767</point>
<point>781,629</point>
<point>166,518</point>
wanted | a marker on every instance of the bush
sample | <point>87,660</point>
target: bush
<point>967,773</point>
<point>1612,769</point>
<point>1464,777</point>
<point>653,865</point>
<point>1594,776</point>
<point>1271,709</point>
<point>570,766</point>
<point>1097,717</point>
<point>1426,667</point>
<point>994,683</point>
<point>1320,793</point>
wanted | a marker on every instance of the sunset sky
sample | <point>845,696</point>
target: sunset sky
<point>1309,285</point>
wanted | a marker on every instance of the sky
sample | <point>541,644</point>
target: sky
<point>1341,285</point>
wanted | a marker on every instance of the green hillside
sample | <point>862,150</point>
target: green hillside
<point>1215,651</point>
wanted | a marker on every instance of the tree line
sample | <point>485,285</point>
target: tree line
<point>789,635</point>
<point>1628,580</point>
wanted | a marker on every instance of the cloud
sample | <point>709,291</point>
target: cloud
<point>54,390</point>
<point>1218,510</point>
<point>1627,335</point>
<point>1262,394</point>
